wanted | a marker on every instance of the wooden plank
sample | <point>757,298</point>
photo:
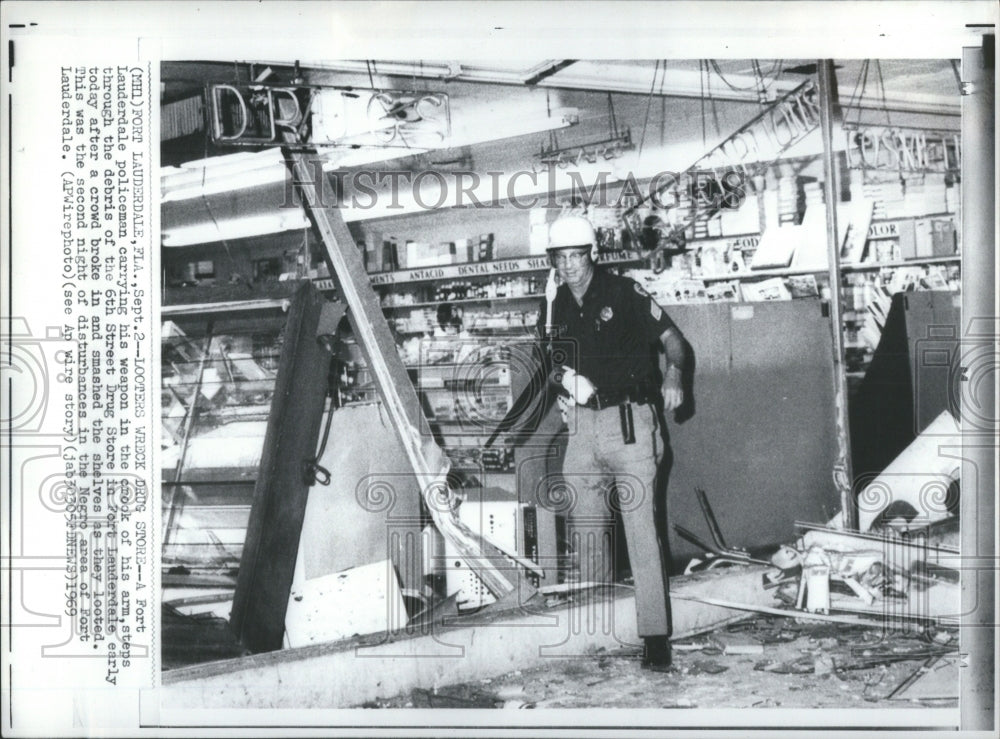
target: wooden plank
<point>280,494</point>
<point>395,388</point>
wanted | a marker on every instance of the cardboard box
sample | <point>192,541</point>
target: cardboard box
<point>943,237</point>
<point>464,251</point>
<point>485,247</point>
<point>373,251</point>
<point>421,254</point>
<point>390,253</point>
<point>907,239</point>
<point>924,238</point>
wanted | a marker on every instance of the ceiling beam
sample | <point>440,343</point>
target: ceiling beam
<point>607,76</point>
<point>544,70</point>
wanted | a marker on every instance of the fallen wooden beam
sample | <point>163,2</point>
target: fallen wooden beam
<point>396,392</point>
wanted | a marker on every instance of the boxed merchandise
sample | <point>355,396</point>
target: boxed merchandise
<point>723,292</point>
<point>772,289</point>
<point>942,237</point>
<point>803,286</point>
<point>924,238</point>
<point>485,247</point>
<point>464,251</point>
<point>907,239</point>
<point>776,247</point>
<point>390,254</point>
<point>373,252</point>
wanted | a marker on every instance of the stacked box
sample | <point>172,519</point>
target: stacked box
<point>713,226</point>
<point>812,193</point>
<point>907,240</point>
<point>888,199</point>
<point>935,195</point>
<point>742,220</point>
<point>952,198</point>
<point>923,238</point>
<point>790,200</point>
<point>538,231</point>
<point>390,254</point>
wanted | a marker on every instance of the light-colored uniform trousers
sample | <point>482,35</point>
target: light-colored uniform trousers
<point>598,461</point>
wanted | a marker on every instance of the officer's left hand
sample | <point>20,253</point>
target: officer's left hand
<point>673,393</point>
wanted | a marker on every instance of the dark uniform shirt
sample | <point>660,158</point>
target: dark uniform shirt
<point>613,337</point>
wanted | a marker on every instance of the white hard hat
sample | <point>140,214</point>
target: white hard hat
<point>571,231</point>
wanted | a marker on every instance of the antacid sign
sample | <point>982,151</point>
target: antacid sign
<point>903,150</point>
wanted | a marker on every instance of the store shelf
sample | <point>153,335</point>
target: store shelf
<point>778,272</point>
<point>489,388</point>
<point>459,301</point>
<point>467,270</point>
<point>479,333</point>
<point>941,214</point>
<point>789,272</point>
<point>468,423</point>
<point>455,365</point>
<point>865,266</point>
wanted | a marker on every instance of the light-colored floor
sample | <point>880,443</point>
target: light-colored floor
<point>798,665</point>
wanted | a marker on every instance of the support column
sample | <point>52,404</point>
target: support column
<point>978,358</point>
<point>842,476</point>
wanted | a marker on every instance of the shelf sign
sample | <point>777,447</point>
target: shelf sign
<point>884,230</point>
<point>315,115</point>
<point>469,269</point>
<point>903,150</point>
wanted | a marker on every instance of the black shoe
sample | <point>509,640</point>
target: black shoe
<point>656,653</point>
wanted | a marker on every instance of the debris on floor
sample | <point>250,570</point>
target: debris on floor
<point>856,618</point>
<point>799,664</point>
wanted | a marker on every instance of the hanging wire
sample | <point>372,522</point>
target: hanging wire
<point>772,72</point>
<point>702,76</point>
<point>958,74</point>
<point>611,115</point>
<point>711,99</point>
<point>881,84</point>
<point>313,471</point>
<point>649,102</point>
<point>761,87</point>
<point>730,85</point>
<point>855,99</point>
<point>663,106</point>
<point>204,175</point>
<point>762,78</point>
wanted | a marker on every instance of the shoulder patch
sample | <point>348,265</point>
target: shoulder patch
<point>655,310</point>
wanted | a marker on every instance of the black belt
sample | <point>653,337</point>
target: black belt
<point>638,394</point>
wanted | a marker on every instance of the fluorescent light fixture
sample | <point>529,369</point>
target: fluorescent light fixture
<point>292,219</point>
<point>242,170</point>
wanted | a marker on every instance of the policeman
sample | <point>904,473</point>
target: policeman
<point>613,331</point>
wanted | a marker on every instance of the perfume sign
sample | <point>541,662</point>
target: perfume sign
<point>315,115</point>
<point>903,150</point>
